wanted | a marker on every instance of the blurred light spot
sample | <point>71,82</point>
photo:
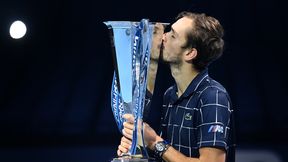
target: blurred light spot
<point>17,29</point>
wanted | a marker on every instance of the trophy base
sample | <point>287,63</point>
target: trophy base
<point>129,160</point>
<point>134,158</point>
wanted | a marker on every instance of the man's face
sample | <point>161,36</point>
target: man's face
<point>174,40</point>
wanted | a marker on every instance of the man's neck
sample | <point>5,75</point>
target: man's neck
<point>183,75</point>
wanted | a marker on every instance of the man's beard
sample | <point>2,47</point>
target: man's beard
<point>175,62</point>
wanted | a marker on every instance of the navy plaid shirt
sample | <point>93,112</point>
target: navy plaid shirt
<point>201,117</point>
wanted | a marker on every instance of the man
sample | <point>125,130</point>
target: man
<point>196,122</point>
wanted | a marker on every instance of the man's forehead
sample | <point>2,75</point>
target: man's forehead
<point>182,24</point>
<point>184,21</point>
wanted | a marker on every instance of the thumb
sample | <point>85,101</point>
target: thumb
<point>129,118</point>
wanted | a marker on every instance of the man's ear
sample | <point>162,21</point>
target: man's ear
<point>191,54</point>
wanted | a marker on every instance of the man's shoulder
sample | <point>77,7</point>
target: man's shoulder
<point>213,92</point>
<point>209,86</point>
<point>210,89</point>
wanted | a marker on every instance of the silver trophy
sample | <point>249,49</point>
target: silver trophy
<point>131,47</point>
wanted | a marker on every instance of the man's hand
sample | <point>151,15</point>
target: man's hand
<point>126,140</point>
<point>128,126</point>
<point>150,136</point>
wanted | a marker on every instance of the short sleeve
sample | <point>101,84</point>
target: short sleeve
<point>214,118</point>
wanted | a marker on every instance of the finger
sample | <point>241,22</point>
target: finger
<point>119,153</point>
<point>129,118</point>
<point>127,134</point>
<point>126,140</point>
<point>125,145</point>
<point>128,125</point>
<point>122,149</point>
<point>128,131</point>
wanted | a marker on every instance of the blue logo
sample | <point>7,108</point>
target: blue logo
<point>216,129</point>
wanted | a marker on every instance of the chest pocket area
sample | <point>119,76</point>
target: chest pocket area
<point>188,118</point>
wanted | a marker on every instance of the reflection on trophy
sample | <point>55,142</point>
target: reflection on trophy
<point>131,47</point>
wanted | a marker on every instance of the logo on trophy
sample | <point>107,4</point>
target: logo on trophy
<point>131,44</point>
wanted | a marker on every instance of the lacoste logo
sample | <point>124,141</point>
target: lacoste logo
<point>188,116</point>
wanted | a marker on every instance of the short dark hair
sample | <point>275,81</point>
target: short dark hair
<point>206,36</point>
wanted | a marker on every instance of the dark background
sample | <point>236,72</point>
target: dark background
<point>55,82</point>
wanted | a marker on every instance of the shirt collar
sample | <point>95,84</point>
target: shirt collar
<point>192,86</point>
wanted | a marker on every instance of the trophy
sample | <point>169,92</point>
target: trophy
<point>131,46</point>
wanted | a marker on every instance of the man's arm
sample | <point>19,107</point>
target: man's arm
<point>207,154</point>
